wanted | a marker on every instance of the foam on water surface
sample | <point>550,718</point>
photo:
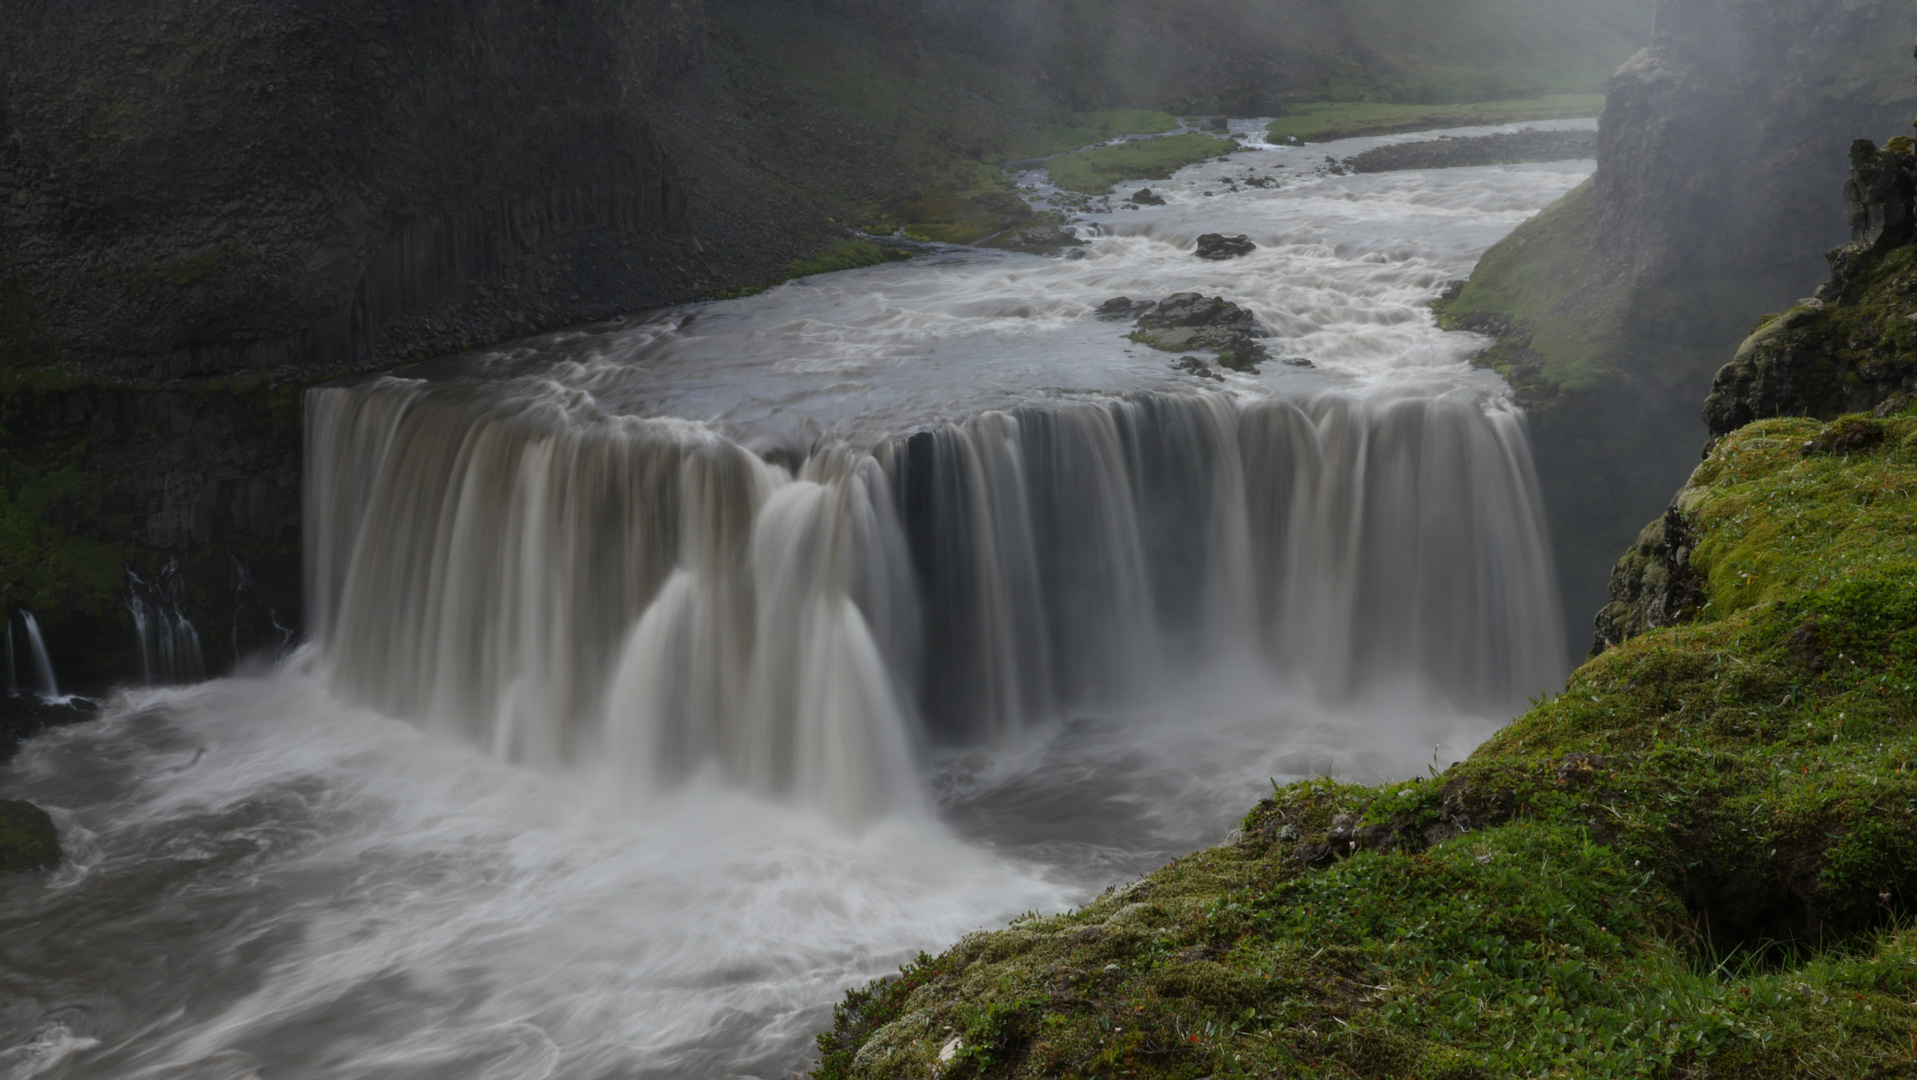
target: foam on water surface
<point>553,838</point>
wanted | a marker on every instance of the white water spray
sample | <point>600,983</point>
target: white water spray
<point>49,687</point>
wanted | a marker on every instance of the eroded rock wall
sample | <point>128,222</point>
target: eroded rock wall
<point>1720,151</point>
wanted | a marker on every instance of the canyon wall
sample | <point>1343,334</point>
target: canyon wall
<point>1721,157</point>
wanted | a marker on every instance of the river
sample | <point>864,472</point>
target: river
<point>670,676</point>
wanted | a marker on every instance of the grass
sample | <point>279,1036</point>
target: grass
<point>1325,121</point>
<point>1084,129</point>
<point>1698,860</point>
<point>1094,171</point>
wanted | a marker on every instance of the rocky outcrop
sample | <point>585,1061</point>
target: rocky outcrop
<point>1653,584</point>
<point>1719,151</point>
<point>202,478</point>
<point>28,840</point>
<point>1219,247</point>
<point>1877,195</point>
<point>1850,347</point>
<point>1191,322</point>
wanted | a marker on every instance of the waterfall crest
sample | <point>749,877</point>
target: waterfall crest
<point>562,585</point>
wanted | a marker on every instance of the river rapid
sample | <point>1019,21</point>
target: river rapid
<point>670,676</point>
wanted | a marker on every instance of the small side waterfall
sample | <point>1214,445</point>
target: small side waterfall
<point>565,586</point>
<point>46,684</point>
<point>169,645</point>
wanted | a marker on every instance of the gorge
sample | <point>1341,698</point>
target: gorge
<point>680,526</point>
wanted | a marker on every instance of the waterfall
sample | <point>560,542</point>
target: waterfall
<point>169,645</point>
<point>49,687</point>
<point>565,586</point>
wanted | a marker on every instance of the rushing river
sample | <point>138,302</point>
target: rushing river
<point>670,676</point>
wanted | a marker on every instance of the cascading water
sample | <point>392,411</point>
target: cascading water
<point>835,622</point>
<point>564,585</point>
<point>45,683</point>
<point>169,644</point>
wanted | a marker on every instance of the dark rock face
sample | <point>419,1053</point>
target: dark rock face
<point>206,478</point>
<point>1653,584</point>
<point>1719,152</point>
<point>1189,322</point>
<point>1145,197</point>
<point>1454,152</point>
<point>1849,348</point>
<point>303,185</point>
<point>27,838</point>
<point>1218,246</point>
<point>24,715</point>
<point>1877,197</point>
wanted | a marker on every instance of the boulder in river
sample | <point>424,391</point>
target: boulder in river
<point>27,838</point>
<point>1144,197</point>
<point>1042,239</point>
<point>1190,322</point>
<point>1123,307</point>
<point>1218,246</point>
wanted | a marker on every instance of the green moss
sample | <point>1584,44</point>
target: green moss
<point>948,233</point>
<point>44,564</point>
<point>1085,129</point>
<point>1325,121</point>
<point>1696,860</point>
<point>181,273</point>
<point>844,255</point>
<point>1094,171</point>
<point>27,838</point>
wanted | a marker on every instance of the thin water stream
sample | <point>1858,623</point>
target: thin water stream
<point>668,677</point>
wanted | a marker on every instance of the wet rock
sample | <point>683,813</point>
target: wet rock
<point>1219,123</point>
<point>22,716</point>
<point>1197,367</point>
<point>1654,583</point>
<point>1877,197</point>
<point>1043,239</point>
<point>1196,310</point>
<point>1123,307</point>
<point>27,838</point>
<point>1144,197</point>
<point>1218,246</point>
<point>1192,322</point>
<point>1297,361</point>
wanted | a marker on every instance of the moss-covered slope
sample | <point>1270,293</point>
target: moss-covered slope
<point>1696,861</point>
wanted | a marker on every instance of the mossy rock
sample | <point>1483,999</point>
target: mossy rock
<point>28,840</point>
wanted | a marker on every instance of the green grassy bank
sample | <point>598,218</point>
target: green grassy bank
<point>1095,171</point>
<point>1324,121</point>
<point>1698,860</point>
